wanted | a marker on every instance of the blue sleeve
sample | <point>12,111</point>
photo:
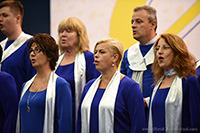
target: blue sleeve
<point>9,103</point>
<point>63,108</point>
<point>194,103</point>
<point>124,64</point>
<point>86,88</point>
<point>135,105</point>
<point>91,71</point>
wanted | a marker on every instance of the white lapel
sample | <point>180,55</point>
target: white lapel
<point>14,46</point>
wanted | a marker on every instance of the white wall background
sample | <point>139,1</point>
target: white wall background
<point>97,15</point>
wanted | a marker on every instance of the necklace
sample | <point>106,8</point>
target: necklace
<point>170,73</point>
<point>29,99</point>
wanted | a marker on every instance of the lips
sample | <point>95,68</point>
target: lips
<point>134,32</point>
<point>96,62</point>
<point>160,58</point>
<point>63,40</point>
<point>33,61</point>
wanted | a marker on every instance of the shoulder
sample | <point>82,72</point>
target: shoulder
<point>88,54</point>
<point>61,82</point>
<point>90,83</point>
<point>129,85</point>
<point>190,82</point>
<point>4,76</point>
<point>189,78</point>
<point>126,80</point>
<point>87,86</point>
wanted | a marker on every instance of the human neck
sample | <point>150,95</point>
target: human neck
<point>145,40</point>
<point>106,77</point>
<point>15,35</point>
<point>70,52</point>
<point>43,73</point>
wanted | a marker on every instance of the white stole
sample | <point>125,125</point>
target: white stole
<point>22,38</point>
<point>49,104</point>
<point>173,106</point>
<point>106,105</point>
<point>198,64</point>
<point>138,63</point>
<point>79,76</point>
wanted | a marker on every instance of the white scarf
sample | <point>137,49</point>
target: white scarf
<point>198,64</point>
<point>14,46</point>
<point>106,109</point>
<point>49,104</point>
<point>173,106</point>
<point>79,76</point>
<point>138,63</point>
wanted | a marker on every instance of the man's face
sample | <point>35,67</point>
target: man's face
<point>140,25</point>
<point>8,22</point>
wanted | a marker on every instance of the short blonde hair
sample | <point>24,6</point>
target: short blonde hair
<point>77,25</point>
<point>114,45</point>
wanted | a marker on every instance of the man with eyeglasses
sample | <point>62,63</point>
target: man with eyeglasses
<point>138,59</point>
<point>15,59</point>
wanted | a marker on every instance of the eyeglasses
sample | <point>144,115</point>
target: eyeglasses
<point>35,51</point>
<point>164,48</point>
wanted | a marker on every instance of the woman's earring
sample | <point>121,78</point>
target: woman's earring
<point>113,64</point>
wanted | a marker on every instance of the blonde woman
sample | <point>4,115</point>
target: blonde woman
<point>113,102</point>
<point>75,64</point>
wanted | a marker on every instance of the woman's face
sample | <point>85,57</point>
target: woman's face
<point>164,55</point>
<point>103,57</point>
<point>68,38</point>
<point>37,57</point>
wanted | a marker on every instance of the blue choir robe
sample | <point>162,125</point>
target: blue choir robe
<point>129,114</point>
<point>67,72</point>
<point>18,65</point>
<point>8,103</point>
<point>190,107</point>
<point>33,121</point>
<point>147,75</point>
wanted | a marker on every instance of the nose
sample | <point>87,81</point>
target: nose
<point>96,55</point>
<point>160,50</point>
<point>132,24</point>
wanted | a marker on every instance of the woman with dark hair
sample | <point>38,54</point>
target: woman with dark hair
<point>175,99</point>
<point>46,102</point>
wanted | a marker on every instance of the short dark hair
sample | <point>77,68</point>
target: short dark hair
<point>1,52</point>
<point>48,45</point>
<point>151,12</point>
<point>16,7</point>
